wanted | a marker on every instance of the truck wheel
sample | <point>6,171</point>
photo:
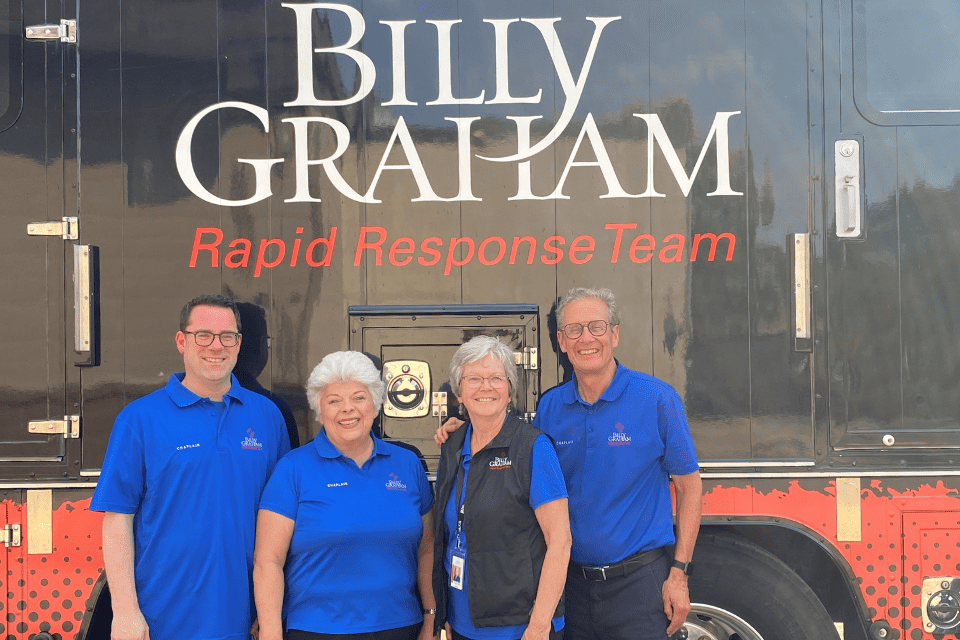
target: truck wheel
<point>739,591</point>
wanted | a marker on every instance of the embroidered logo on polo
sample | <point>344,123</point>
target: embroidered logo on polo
<point>337,484</point>
<point>394,484</point>
<point>250,442</point>
<point>618,437</point>
<point>501,461</point>
<point>188,446</point>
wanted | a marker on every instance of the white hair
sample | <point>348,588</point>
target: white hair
<point>345,366</point>
<point>475,350</point>
<point>603,295</point>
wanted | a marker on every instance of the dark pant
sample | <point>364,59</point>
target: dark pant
<point>554,635</point>
<point>627,607</point>
<point>402,633</point>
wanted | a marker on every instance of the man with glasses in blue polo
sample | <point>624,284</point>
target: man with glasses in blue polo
<point>180,487</point>
<point>620,435</point>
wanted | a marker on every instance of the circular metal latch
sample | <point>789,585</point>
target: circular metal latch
<point>846,149</point>
<point>405,392</point>
<point>943,609</point>
<point>889,440</point>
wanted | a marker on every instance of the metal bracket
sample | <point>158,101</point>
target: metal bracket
<point>527,358</point>
<point>440,406</point>
<point>69,427</point>
<point>68,228</point>
<point>66,31</point>
<point>10,535</point>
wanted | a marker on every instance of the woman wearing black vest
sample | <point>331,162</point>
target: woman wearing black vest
<point>502,540</point>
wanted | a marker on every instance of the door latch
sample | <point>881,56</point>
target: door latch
<point>527,358</point>
<point>847,188</point>
<point>69,427</point>
<point>68,228</point>
<point>11,535</point>
<point>66,31</point>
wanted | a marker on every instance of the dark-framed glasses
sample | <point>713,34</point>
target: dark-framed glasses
<point>574,330</point>
<point>475,382</point>
<point>205,338</point>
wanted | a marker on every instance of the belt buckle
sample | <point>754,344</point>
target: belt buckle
<point>603,571</point>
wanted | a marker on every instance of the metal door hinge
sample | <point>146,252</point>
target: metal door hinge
<point>527,359</point>
<point>11,535</point>
<point>68,427</point>
<point>68,228</point>
<point>66,31</point>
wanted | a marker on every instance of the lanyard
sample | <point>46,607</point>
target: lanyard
<point>460,497</point>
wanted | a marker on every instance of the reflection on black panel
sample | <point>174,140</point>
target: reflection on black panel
<point>911,50</point>
<point>10,62</point>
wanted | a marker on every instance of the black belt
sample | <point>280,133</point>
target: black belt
<point>617,569</point>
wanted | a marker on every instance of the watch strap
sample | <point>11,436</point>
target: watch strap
<point>686,567</point>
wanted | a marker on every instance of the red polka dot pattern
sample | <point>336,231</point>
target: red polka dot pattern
<point>907,535</point>
<point>48,592</point>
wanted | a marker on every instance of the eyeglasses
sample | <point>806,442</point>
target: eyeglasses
<point>475,382</point>
<point>574,330</point>
<point>205,338</point>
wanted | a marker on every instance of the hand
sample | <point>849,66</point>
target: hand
<point>129,626</point>
<point>444,430</point>
<point>535,632</point>
<point>426,631</point>
<point>255,629</point>
<point>676,600</point>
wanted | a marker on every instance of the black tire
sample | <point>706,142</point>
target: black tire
<point>741,591</point>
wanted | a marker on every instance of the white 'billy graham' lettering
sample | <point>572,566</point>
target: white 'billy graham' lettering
<point>323,161</point>
<point>366,69</point>
<point>500,463</point>
<point>394,484</point>
<point>401,135</point>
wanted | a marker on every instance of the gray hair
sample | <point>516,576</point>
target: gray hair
<point>604,295</point>
<point>345,366</point>
<point>475,350</point>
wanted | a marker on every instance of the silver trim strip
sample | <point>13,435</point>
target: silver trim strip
<point>929,473</point>
<point>923,111</point>
<point>93,473</point>
<point>757,463</point>
<point>47,485</point>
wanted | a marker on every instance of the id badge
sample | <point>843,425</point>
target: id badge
<point>456,569</point>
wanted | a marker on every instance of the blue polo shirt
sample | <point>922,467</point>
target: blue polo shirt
<point>191,471</point>
<point>616,455</point>
<point>352,563</point>
<point>546,485</point>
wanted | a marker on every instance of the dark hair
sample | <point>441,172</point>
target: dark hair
<point>215,300</point>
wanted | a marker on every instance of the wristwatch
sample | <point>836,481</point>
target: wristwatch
<point>686,567</point>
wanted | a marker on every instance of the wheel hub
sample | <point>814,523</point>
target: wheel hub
<point>705,622</point>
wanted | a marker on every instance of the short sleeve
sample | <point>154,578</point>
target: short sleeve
<point>283,437</point>
<point>426,491</point>
<point>546,479</point>
<point>680,456</point>
<point>121,485</point>
<point>282,493</point>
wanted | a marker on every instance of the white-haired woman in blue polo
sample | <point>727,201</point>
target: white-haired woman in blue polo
<point>345,528</point>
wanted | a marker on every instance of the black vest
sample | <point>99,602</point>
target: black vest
<point>505,546</point>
